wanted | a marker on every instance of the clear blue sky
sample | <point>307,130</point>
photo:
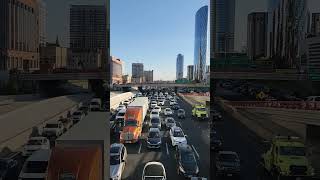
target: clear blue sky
<point>154,32</point>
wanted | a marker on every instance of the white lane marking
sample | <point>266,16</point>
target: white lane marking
<point>139,150</point>
<point>167,149</point>
<point>180,124</point>
<point>194,149</point>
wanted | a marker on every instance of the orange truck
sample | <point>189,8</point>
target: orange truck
<point>134,120</point>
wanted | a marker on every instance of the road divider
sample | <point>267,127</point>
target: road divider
<point>117,99</point>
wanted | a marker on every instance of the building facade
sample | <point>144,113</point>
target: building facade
<point>311,57</point>
<point>88,36</point>
<point>190,69</point>
<point>116,70</point>
<point>137,71</point>
<point>126,79</point>
<point>19,35</point>
<point>148,76</point>
<point>53,57</point>
<point>42,23</point>
<point>201,41</point>
<point>179,67</point>
<point>257,35</point>
<point>315,24</point>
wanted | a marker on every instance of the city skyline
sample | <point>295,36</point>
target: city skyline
<point>161,40</point>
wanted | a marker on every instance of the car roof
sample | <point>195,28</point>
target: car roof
<point>115,148</point>
<point>154,130</point>
<point>122,111</point>
<point>185,148</point>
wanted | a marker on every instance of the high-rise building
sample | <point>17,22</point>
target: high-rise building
<point>137,72</point>
<point>179,67</point>
<point>116,70</point>
<point>311,56</point>
<point>42,23</point>
<point>315,24</point>
<point>257,35</point>
<point>286,31</point>
<point>88,36</point>
<point>148,76</point>
<point>201,40</point>
<point>190,69</point>
<point>223,25</point>
<point>19,35</point>
<point>52,56</point>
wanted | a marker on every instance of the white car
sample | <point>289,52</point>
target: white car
<point>126,102</point>
<point>172,102</point>
<point>161,103</point>
<point>121,107</point>
<point>154,114</point>
<point>120,115</point>
<point>154,170</point>
<point>157,108</point>
<point>53,129</point>
<point>118,158</point>
<point>34,144</point>
<point>177,136</point>
<point>153,104</point>
<point>168,112</point>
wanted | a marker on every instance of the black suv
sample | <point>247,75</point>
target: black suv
<point>186,162</point>
<point>227,164</point>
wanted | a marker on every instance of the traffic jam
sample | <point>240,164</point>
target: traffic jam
<point>154,137</point>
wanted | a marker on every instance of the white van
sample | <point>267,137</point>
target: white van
<point>36,166</point>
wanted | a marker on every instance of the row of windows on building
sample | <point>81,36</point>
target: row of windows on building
<point>22,5</point>
<point>17,63</point>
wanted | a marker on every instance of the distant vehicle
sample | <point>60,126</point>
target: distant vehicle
<point>134,120</point>
<point>168,112</point>
<point>84,109</point>
<point>170,122</point>
<point>154,171</point>
<point>118,159</point>
<point>227,164</point>
<point>181,113</point>
<point>172,102</point>
<point>53,129</point>
<point>154,138</point>
<point>121,107</point>
<point>153,104</point>
<point>155,122</point>
<point>66,122</point>
<point>157,108</point>
<point>161,103</point>
<point>34,144</point>
<point>186,161</point>
<point>95,104</point>
<point>36,166</point>
<point>120,115</point>
<point>177,136</point>
<point>10,166</point>
<point>175,107</point>
<point>199,112</point>
<point>77,116</point>
<point>287,158</point>
<point>154,114</point>
<point>126,102</point>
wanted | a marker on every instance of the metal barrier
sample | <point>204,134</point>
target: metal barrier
<point>303,105</point>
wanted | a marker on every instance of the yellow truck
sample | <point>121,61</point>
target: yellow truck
<point>287,158</point>
<point>200,112</point>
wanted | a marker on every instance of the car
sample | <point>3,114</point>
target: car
<point>172,102</point>
<point>161,103</point>
<point>155,122</point>
<point>120,115</point>
<point>154,171</point>
<point>34,144</point>
<point>199,112</point>
<point>175,107</point>
<point>118,159</point>
<point>67,123</point>
<point>227,163</point>
<point>157,108</point>
<point>84,109</point>
<point>53,129</point>
<point>170,122</point>
<point>168,112</point>
<point>10,165</point>
<point>177,136</point>
<point>186,161</point>
<point>126,102</point>
<point>154,113</point>
<point>153,104</point>
<point>216,115</point>
<point>77,116</point>
<point>154,138</point>
<point>215,141</point>
<point>121,107</point>
<point>181,113</point>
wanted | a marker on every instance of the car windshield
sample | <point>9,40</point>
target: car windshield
<point>153,171</point>
<point>51,125</point>
<point>155,120</point>
<point>77,113</point>
<point>181,111</point>
<point>201,109</point>
<point>121,114</point>
<point>131,123</point>
<point>114,160</point>
<point>228,157</point>
<point>36,167</point>
<point>188,157</point>
<point>170,120</point>
<point>178,134</point>
<point>168,109</point>
<point>154,134</point>
<point>154,112</point>
<point>34,142</point>
<point>292,151</point>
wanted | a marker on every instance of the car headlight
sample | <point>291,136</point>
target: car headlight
<point>181,169</point>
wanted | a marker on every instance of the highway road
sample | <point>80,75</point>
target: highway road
<point>198,138</point>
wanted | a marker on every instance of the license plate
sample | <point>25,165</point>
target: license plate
<point>229,175</point>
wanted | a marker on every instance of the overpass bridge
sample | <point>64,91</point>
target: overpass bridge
<point>261,76</point>
<point>60,76</point>
<point>173,85</point>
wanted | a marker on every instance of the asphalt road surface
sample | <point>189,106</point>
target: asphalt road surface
<point>198,138</point>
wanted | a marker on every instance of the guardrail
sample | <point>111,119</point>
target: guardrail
<point>303,105</point>
<point>115,101</point>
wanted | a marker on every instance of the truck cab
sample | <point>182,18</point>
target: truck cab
<point>287,158</point>
<point>199,112</point>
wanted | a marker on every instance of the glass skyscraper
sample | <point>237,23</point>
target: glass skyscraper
<point>179,66</point>
<point>200,47</point>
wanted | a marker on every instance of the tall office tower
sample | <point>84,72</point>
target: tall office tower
<point>42,23</point>
<point>88,36</point>
<point>212,28</point>
<point>200,46</point>
<point>286,31</point>
<point>137,72</point>
<point>116,70</point>
<point>179,67</point>
<point>257,35</point>
<point>148,76</point>
<point>19,35</point>
<point>315,24</point>
<point>190,72</point>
